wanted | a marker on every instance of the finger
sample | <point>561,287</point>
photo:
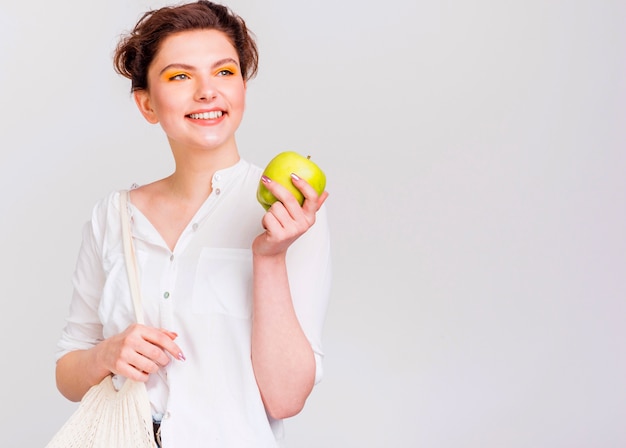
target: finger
<point>281,193</point>
<point>284,215</point>
<point>269,221</point>
<point>171,334</point>
<point>312,206</point>
<point>143,363</point>
<point>305,188</point>
<point>164,342</point>
<point>322,199</point>
<point>133,373</point>
<point>153,353</point>
<point>312,200</point>
<point>133,365</point>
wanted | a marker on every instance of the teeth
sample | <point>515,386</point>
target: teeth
<point>207,115</point>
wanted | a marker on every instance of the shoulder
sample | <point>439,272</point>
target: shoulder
<point>246,176</point>
<point>105,215</point>
<point>249,171</point>
<point>147,196</point>
<point>106,205</point>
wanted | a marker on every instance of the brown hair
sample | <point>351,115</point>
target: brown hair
<point>136,50</point>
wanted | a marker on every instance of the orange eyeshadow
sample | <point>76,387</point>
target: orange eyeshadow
<point>170,74</point>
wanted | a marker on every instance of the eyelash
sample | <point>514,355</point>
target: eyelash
<point>184,76</point>
<point>179,76</point>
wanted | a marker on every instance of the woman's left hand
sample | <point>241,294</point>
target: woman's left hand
<point>286,220</point>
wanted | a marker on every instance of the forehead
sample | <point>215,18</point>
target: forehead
<point>195,45</point>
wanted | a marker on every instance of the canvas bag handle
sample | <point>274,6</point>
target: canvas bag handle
<point>129,255</point>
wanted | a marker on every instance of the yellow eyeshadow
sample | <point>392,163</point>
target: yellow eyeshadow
<point>172,73</point>
<point>230,68</point>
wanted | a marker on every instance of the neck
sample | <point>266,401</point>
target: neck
<point>195,169</point>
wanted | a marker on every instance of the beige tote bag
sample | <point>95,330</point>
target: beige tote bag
<point>107,418</point>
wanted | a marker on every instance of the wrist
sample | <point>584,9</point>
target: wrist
<point>97,365</point>
<point>269,258</point>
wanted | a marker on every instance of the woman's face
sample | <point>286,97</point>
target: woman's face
<point>196,90</point>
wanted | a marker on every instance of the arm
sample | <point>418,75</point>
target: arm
<point>282,356</point>
<point>134,354</point>
<point>85,357</point>
<point>76,372</point>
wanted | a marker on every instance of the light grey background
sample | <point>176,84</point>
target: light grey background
<point>476,161</point>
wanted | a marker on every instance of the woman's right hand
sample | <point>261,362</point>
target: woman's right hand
<point>138,351</point>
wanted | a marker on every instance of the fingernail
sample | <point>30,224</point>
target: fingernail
<point>266,179</point>
<point>294,176</point>
<point>181,357</point>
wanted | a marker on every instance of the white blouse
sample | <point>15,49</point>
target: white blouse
<point>201,290</point>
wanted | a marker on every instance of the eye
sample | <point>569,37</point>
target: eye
<point>225,72</point>
<point>178,77</point>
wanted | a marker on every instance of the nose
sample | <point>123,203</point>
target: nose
<point>205,89</point>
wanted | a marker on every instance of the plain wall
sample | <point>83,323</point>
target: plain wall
<point>476,160</point>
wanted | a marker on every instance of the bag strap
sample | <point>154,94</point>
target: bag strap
<point>129,255</point>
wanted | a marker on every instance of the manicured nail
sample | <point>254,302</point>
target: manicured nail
<point>266,179</point>
<point>181,357</point>
<point>294,176</point>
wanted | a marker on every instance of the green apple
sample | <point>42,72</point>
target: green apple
<point>279,169</point>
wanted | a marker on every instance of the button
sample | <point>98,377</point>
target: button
<point>218,191</point>
<point>172,257</point>
<point>167,415</point>
<point>166,295</point>
<point>195,226</point>
<point>217,177</point>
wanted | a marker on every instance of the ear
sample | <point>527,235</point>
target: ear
<point>142,99</point>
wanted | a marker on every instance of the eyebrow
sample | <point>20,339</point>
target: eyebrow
<point>191,67</point>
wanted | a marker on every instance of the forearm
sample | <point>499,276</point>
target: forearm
<point>282,357</point>
<point>77,371</point>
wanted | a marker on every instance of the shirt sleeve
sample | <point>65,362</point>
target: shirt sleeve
<point>310,275</point>
<point>83,328</point>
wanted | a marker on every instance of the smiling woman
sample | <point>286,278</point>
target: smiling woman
<point>198,100</point>
<point>232,338</point>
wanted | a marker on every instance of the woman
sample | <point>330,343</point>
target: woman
<point>234,297</point>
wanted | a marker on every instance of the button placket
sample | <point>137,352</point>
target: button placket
<point>167,292</point>
<point>216,184</point>
<point>171,278</point>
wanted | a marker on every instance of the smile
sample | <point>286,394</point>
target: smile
<point>207,115</point>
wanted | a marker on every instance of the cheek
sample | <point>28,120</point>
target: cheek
<point>239,98</point>
<point>163,103</point>
<point>167,109</point>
